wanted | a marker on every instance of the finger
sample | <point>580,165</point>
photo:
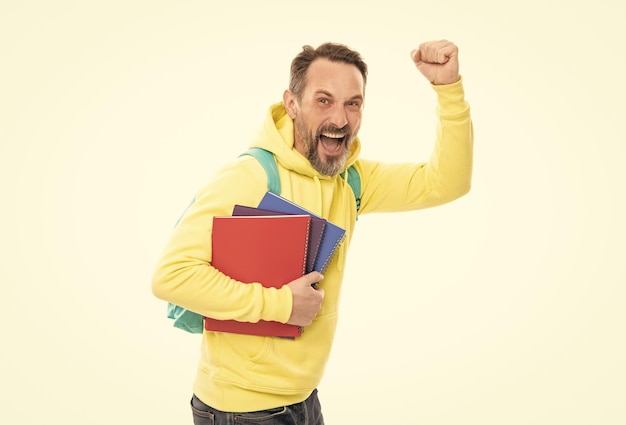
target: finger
<point>316,276</point>
<point>311,278</point>
<point>416,55</point>
<point>437,51</point>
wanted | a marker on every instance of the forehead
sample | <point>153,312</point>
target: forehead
<point>339,78</point>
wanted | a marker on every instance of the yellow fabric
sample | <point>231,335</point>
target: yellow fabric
<point>246,373</point>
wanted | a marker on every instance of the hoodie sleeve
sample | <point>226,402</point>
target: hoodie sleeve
<point>445,177</point>
<point>184,275</point>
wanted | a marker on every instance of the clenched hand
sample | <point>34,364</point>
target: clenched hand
<point>438,61</point>
<point>307,300</point>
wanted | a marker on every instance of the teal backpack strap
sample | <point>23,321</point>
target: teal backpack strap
<point>267,160</point>
<point>354,180</point>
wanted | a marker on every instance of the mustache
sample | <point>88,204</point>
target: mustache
<point>345,130</point>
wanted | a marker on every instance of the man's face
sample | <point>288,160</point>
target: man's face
<point>328,117</point>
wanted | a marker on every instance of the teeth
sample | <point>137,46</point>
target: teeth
<point>333,135</point>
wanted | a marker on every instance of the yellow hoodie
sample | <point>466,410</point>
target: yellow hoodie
<point>246,373</point>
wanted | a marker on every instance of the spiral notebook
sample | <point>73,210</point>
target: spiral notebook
<point>271,250</point>
<point>332,237</point>
<point>315,237</point>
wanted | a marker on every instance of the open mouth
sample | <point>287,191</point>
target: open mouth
<point>332,141</point>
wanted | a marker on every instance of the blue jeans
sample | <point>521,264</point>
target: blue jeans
<point>308,412</point>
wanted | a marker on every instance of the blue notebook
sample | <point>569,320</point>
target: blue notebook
<point>332,237</point>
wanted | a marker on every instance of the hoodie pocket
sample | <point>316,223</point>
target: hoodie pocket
<point>245,347</point>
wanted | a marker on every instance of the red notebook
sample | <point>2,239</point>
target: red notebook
<point>315,236</point>
<point>271,250</point>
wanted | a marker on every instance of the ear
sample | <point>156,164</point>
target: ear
<point>291,104</point>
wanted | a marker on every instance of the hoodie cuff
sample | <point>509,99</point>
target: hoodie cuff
<point>277,304</point>
<point>451,99</point>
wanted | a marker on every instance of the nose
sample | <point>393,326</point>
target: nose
<point>338,116</point>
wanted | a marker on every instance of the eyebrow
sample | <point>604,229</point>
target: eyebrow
<point>327,93</point>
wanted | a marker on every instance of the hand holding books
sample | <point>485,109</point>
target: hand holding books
<point>307,301</point>
<point>275,244</point>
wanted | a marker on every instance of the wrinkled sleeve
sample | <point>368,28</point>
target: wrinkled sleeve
<point>184,275</point>
<point>444,177</point>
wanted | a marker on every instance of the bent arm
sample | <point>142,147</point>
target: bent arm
<point>184,275</point>
<point>445,177</point>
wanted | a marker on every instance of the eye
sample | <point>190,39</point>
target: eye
<point>323,101</point>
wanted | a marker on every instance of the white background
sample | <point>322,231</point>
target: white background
<point>504,307</point>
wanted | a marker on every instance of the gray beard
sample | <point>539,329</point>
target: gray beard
<point>331,167</point>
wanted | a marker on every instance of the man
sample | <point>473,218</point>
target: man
<point>313,135</point>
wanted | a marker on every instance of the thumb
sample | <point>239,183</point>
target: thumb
<point>312,279</point>
<point>416,55</point>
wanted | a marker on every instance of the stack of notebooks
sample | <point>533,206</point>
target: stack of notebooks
<point>272,244</point>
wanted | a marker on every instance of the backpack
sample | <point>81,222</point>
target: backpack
<point>193,322</point>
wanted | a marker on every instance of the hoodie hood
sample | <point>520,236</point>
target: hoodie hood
<point>277,136</point>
